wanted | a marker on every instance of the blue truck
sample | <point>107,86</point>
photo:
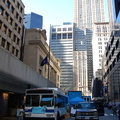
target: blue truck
<point>74,97</point>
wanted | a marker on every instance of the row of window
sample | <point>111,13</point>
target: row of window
<point>7,46</point>
<point>112,53</point>
<point>115,47</point>
<point>102,29</point>
<point>102,34</point>
<point>100,39</point>
<point>9,5</point>
<point>6,16</point>
<point>112,64</point>
<point>61,29</point>
<point>9,33</point>
<point>62,36</point>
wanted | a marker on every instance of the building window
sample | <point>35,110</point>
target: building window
<point>11,21</point>
<point>9,33</point>
<point>64,29</point>
<point>58,36</point>
<point>99,43</point>
<point>6,15</point>
<point>58,29</point>
<point>21,9</point>
<point>117,44</point>
<point>20,19</point>
<point>53,36</point>
<point>1,10</point>
<point>69,35</point>
<point>18,5</point>
<point>64,35</point>
<point>3,42</point>
<point>0,24</point>
<point>100,47</point>
<point>5,29</point>
<point>19,29</point>
<point>12,9</point>
<point>13,50</point>
<point>3,1</point>
<point>53,29</point>
<point>8,4</point>
<point>18,41</point>
<point>70,29</point>
<point>16,15</point>
<point>17,53</point>
<point>15,26</point>
<point>8,46</point>
<point>14,38</point>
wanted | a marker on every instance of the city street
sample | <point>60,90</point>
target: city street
<point>107,116</point>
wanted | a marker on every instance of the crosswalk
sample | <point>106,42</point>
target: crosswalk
<point>108,114</point>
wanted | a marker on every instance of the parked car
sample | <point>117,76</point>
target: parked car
<point>86,111</point>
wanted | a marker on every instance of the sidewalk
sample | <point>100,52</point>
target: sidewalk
<point>8,118</point>
<point>108,115</point>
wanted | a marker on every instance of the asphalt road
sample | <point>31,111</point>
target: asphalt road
<point>107,116</point>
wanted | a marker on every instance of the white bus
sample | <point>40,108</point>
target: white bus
<point>44,104</point>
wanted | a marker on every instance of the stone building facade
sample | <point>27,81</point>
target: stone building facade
<point>35,50</point>
<point>11,25</point>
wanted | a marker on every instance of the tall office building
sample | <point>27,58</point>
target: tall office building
<point>114,10</point>
<point>114,14</point>
<point>86,12</point>
<point>11,26</point>
<point>33,20</point>
<point>61,44</point>
<point>101,35</point>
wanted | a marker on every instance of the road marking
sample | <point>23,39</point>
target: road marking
<point>108,114</point>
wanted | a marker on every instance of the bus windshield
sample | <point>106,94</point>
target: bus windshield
<point>32,100</point>
<point>46,100</point>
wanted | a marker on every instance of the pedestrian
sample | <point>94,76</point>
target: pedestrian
<point>119,112</point>
<point>20,113</point>
<point>114,109</point>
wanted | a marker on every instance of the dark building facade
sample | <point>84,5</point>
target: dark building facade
<point>112,66</point>
<point>97,90</point>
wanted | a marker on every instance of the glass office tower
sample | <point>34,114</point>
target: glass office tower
<point>114,13</point>
<point>33,20</point>
<point>61,44</point>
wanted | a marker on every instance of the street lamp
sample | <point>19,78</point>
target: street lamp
<point>114,95</point>
<point>107,92</point>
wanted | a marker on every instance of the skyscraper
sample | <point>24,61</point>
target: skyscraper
<point>33,20</point>
<point>86,12</point>
<point>61,44</point>
<point>114,13</point>
<point>101,35</point>
<point>114,10</point>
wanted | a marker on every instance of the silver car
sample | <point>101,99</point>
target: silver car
<point>86,111</point>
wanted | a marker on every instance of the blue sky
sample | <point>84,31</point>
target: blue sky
<point>54,12</point>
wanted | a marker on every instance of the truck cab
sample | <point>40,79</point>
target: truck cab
<point>86,111</point>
